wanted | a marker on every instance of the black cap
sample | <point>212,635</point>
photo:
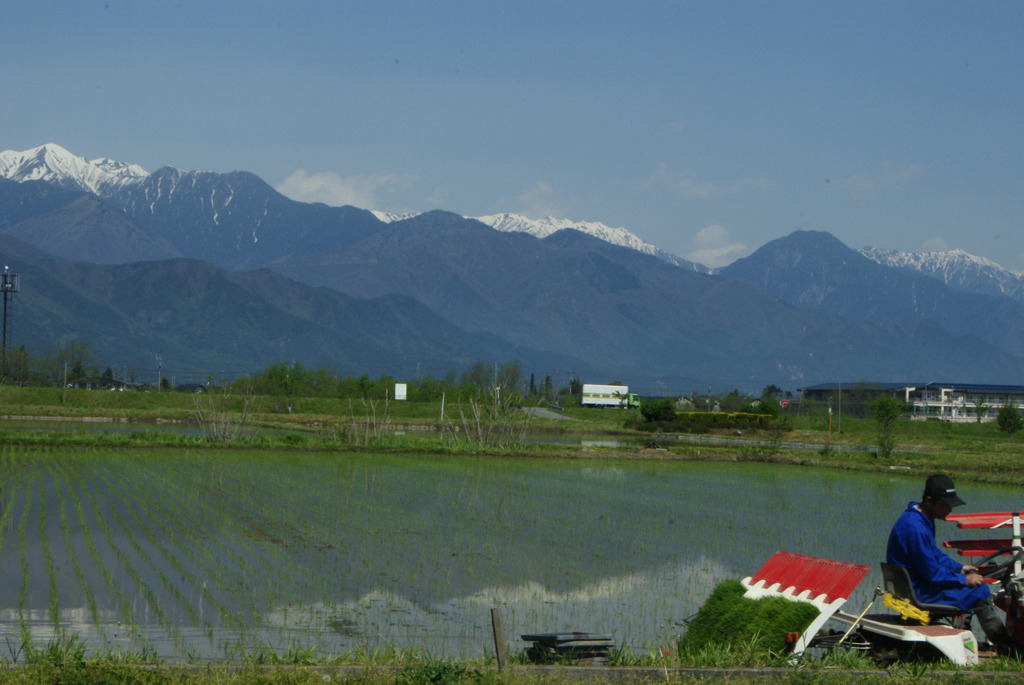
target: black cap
<point>941,487</point>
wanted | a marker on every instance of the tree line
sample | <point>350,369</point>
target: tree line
<point>294,379</point>
<point>74,362</point>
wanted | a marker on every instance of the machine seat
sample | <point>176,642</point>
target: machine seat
<point>896,581</point>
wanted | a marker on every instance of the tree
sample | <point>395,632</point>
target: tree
<point>1009,419</point>
<point>734,401</point>
<point>19,366</point>
<point>77,355</point>
<point>658,410</point>
<point>508,375</point>
<point>478,375</point>
<point>766,404</point>
<point>979,409</point>
<point>886,410</point>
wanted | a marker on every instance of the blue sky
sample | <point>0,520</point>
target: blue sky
<point>706,128</point>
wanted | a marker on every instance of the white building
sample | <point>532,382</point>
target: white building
<point>959,402</point>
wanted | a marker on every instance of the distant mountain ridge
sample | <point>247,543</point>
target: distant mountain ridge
<point>103,176</point>
<point>542,228</point>
<point>581,297</point>
<point>957,269</point>
<point>201,319</point>
<point>54,164</point>
<point>814,269</point>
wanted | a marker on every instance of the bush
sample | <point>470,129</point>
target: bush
<point>437,673</point>
<point>886,410</point>
<point>718,419</point>
<point>658,411</point>
<point>1009,419</point>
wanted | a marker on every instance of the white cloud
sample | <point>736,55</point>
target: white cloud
<point>713,246</point>
<point>541,201</point>
<point>333,189</point>
<point>867,187</point>
<point>935,244</point>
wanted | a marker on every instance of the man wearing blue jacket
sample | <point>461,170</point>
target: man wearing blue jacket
<point>935,576</point>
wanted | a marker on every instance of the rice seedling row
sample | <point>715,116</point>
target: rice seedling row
<point>128,568</point>
<point>110,564</point>
<point>138,525</point>
<point>236,581</point>
<point>26,633</point>
<point>218,559</point>
<point>193,510</point>
<point>143,562</point>
<point>117,597</point>
<point>189,497</point>
<point>347,553</point>
<point>44,544</point>
<point>6,499</point>
<point>87,591</point>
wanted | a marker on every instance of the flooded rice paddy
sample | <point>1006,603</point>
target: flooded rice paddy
<point>217,554</point>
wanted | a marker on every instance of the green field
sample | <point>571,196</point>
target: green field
<point>292,544</point>
<point>221,554</point>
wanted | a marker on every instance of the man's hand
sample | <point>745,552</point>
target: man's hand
<point>974,580</point>
<point>967,568</point>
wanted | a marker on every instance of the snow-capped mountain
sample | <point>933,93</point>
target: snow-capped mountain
<point>106,177</point>
<point>542,228</point>
<point>52,163</point>
<point>390,217</point>
<point>532,294</point>
<point>955,268</point>
<point>136,191</point>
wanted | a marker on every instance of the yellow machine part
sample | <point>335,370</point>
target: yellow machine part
<point>905,608</point>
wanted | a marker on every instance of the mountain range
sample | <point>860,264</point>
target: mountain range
<point>219,272</point>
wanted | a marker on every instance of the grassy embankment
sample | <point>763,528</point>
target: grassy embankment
<point>58,666</point>
<point>973,452</point>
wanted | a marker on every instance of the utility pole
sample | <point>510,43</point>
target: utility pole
<point>8,286</point>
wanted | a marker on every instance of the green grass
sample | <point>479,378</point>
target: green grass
<point>67,663</point>
<point>970,451</point>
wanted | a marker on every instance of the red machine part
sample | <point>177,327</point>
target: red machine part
<point>991,520</point>
<point>1009,602</point>
<point>833,579</point>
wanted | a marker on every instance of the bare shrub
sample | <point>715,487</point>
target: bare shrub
<point>213,413</point>
<point>375,422</point>
<point>501,423</point>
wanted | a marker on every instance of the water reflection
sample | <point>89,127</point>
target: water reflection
<point>213,554</point>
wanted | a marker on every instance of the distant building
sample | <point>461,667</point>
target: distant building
<point>102,383</point>
<point>956,402</point>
